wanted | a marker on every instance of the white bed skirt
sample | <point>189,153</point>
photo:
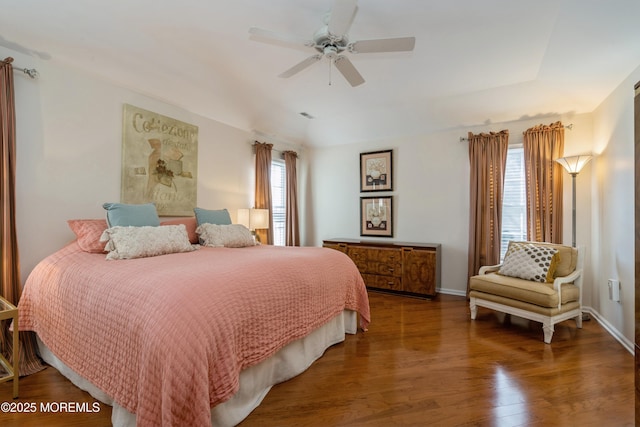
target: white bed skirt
<point>255,382</point>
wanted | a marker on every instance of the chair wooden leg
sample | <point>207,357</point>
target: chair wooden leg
<point>473,307</point>
<point>548,329</point>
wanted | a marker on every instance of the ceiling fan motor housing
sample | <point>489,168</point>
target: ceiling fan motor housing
<point>329,44</point>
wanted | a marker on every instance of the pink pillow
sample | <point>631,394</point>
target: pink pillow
<point>88,232</point>
<point>190,223</point>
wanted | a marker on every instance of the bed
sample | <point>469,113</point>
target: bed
<point>190,338</point>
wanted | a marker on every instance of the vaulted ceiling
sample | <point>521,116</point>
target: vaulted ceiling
<point>474,62</point>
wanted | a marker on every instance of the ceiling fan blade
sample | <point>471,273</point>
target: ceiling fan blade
<point>301,66</point>
<point>349,72</point>
<point>400,44</point>
<point>273,36</point>
<point>342,14</point>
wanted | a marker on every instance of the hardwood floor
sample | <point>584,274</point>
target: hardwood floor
<point>44,388</point>
<point>424,363</point>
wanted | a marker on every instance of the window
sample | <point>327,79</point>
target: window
<point>278,200</point>
<point>514,203</point>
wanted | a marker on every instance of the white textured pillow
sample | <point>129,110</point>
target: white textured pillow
<point>146,241</point>
<point>228,236</point>
<point>530,262</point>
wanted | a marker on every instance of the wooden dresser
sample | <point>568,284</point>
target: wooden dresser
<point>398,267</point>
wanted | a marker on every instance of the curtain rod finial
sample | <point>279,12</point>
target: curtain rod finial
<point>32,72</point>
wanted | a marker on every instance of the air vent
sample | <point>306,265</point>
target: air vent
<point>307,115</point>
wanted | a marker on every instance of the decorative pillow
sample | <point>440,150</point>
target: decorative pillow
<point>145,241</point>
<point>530,262</point>
<point>228,236</point>
<point>131,215</point>
<point>189,222</point>
<point>88,232</point>
<point>206,216</point>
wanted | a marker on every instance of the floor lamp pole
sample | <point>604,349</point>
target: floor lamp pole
<point>573,211</point>
<point>573,165</point>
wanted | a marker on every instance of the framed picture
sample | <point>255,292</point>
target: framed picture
<point>375,171</point>
<point>376,216</point>
<point>159,162</point>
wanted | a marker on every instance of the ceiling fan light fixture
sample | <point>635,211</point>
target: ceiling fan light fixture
<point>330,51</point>
<point>331,41</point>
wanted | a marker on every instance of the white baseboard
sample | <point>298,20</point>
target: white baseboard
<point>610,328</point>
<point>452,292</point>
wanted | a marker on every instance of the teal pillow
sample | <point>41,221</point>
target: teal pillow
<point>206,216</point>
<point>131,215</point>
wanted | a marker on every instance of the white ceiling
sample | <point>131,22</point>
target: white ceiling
<point>475,62</point>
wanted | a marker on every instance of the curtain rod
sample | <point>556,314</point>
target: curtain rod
<point>281,152</point>
<point>278,150</point>
<point>569,126</point>
<point>31,72</point>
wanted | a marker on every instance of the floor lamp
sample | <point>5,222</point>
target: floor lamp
<point>574,165</point>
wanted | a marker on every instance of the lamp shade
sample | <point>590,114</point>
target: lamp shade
<point>254,219</point>
<point>574,164</point>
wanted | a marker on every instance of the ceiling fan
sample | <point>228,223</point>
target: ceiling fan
<point>331,41</point>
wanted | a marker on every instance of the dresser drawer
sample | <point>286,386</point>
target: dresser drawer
<point>386,262</point>
<point>383,282</point>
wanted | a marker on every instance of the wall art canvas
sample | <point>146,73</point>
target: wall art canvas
<point>376,216</point>
<point>159,162</point>
<point>375,171</point>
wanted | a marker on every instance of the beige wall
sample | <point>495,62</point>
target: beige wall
<point>612,208</point>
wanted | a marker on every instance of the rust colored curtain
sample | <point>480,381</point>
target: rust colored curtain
<point>488,159</point>
<point>542,145</point>
<point>292,228</point>
<point>10,263</point>
<point>263,188</point>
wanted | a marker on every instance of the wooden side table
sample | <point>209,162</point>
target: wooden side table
<point>10,311</point>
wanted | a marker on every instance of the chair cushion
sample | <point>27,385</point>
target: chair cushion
<point>544,311</point>
<point>541,294</point>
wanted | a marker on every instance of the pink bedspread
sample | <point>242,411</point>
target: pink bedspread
<point>167,336</point>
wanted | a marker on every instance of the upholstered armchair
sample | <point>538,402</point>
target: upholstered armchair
<point>537,281</point>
